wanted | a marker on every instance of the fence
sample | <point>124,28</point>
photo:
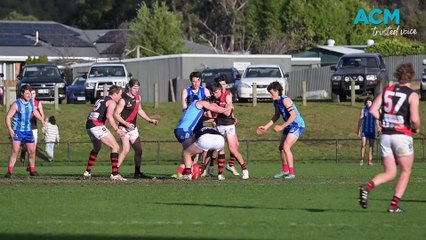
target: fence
<point>319,78</point>
<point>253,150</point>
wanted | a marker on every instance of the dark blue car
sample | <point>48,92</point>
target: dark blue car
<point>76,92</point>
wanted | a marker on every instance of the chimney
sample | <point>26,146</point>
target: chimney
<point>330,42</point>
<point>36,38</point>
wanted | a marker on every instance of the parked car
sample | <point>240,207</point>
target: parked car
<point>232,79</point>
<point>104,75</point>
<point>423,83</point>
<point>262,75</point>
<point>76,92</point>
<point>367,70</point>
<point>43,78</point>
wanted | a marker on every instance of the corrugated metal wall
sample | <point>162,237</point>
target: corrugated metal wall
<point>178,67</point>
<point>319,78</point>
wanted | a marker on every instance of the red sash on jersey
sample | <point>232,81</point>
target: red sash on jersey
<point>135,110</point>
<point>36,102</point>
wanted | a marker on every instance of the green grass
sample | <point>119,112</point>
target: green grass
<point>321,203</point>
<point>324,120</point>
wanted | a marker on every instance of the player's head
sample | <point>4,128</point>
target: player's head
<point>275,86</point>
<point>216,90</point>
<point>26,92</point>
<point>221,79</point>
<point>368,101</point>
<point>195,79</point>
<point>115,92</point>
<point>133,87</point>
<point>404,73</point>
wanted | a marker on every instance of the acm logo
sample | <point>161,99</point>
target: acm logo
<point>378,16</point>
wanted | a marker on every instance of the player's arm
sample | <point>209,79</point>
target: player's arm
<point>361,118</point>
<point>207,92</point>
<point>143,115</point>
<point>110,116</point>
<point>40,109</point>
<point>213,107</point>
<point>183,100</point>
<point>414,112</point>
<point>8,120</point>
<point>274,119</point>
<point>38,116</point>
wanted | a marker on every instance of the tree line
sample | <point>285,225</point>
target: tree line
<point>254,26</point>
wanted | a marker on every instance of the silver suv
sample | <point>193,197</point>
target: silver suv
<point>104,75</point>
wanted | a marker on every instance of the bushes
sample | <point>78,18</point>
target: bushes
<point>394,47</point>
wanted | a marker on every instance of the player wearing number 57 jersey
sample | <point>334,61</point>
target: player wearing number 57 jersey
<point>399,117</point>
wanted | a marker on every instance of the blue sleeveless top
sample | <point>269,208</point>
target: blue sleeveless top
<point>21,120</point>
<point>190,117</point>
<point>298,122</point>
<point>191,96</point>
<point>368,122</point>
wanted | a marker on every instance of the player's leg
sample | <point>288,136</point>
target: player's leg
<point>109,140</point>
<point>288,143</point>
<point>125,143</point>
<point>363,144</point>
<point>16,145</point>
<point>371,142</point>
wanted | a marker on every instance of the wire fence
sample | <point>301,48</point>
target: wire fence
<point>345,150</point>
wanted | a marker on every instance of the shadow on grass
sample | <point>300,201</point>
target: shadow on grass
<point>92,237</point>
<point>312,210</point>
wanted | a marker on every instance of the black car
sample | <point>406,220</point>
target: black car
<point>76,92</point>
<point>232,79</point>
<point>366,70</point>
<point>43,78</point>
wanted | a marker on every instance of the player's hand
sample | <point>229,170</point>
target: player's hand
<point>278,128</point>
<point>154,121</point>
<point>130,126</point>
<point>415,130</point>
<point>261,130</point>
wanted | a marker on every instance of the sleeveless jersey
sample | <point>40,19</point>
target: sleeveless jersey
<point>21,119</point>
<point>395,114</point>
<point>368,122</point>
<point>130,110</point>
<point>206,130</point>
<point>222,119</point>
<point>191,96</point>
<point>190,117</point>
<point>298,122</point>
<point>33,118</point>
<point>97,116</point>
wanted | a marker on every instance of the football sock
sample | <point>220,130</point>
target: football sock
<point>10,170</point>
<point>114,163</point>
<point>92,159</point>
<point>394,202</point>
<point>243,166</point>
<point>137,169</point>
<point>32,169</point>
<point>202,167</point>
<point>221,163</point>
<point>180,170</point>
<point>370,185</point>
<point>285,168</point>
<point>187,171</point>
<point>291,170</point>
<point>232,160</point>
<point>212,161</point>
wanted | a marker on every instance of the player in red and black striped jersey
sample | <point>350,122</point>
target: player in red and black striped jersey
<point>101,113</point>
<point>128,109</point>
<point>399,117</point>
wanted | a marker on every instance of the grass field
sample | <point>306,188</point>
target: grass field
<point>321,203</point>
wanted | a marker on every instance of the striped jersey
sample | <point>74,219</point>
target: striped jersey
<point>50,133</point>
<point>131,108</point>
<point>97,117</point>
<point>33,118</point>
<point>279,105</point>
<point>21,119</point>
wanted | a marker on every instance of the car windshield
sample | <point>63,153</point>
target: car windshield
<point>107,71</point>
<point>209,75</point>
<point>356,62</point>
<point>41,71</point>
<point>79,81</point>
<point>262,72</point>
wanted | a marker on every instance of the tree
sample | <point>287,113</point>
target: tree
<point>14,15</point>
<point>157,31</point>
